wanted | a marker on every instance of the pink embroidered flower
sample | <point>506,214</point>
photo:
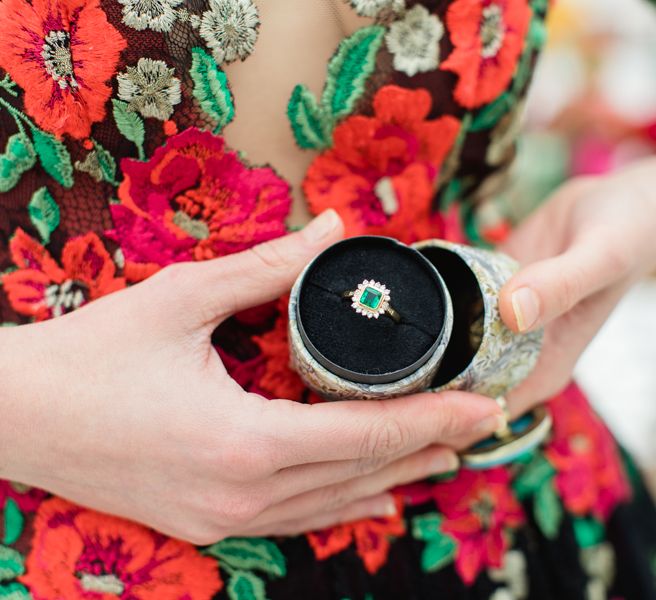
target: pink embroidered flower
<point>590,475</point>
<point>25,497</point>
<point>195,200</point>
<point>40,288</point>
<point>78,554</point>
<point>479,508</point>
<point>380,175</point>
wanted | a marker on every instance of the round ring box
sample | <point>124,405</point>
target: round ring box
<point>483,355</point>
<point>341,354</point>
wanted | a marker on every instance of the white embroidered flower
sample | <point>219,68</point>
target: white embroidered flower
<point>372,8</point>
<point>158,15</point>
<point>229,28</point>
<point>414,41</point>
<point>150,88</point>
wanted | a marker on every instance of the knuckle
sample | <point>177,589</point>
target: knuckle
<point>368,466</point>
<point>385,438</point>
<point>247,463</point>
<point>571,289</point>
<point>618,259</point>
<point>238,510</point>
<point>270,256</point>
<point>334,498</point>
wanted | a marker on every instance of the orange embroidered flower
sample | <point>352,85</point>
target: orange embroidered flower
<point>78,554</point>
<point>61,52</point>
<point>40,288</point>
<point>590,477</point>
<point>371,537</point>
<point>488,37</point>
<point>195,200</point>
<point>381,173</point>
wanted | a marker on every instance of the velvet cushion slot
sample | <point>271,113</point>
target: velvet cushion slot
<point>372,346</point>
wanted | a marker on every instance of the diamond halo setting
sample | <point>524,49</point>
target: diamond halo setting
<point>371,299</point>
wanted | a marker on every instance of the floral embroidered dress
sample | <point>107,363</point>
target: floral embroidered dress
<point>113,166</point>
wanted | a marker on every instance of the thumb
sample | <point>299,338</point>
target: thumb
<point>262,273</point>
<point>546,289</point>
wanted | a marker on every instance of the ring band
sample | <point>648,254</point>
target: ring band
<point>371,299</point>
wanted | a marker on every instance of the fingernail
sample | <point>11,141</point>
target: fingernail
<point>444,463</point>
<point>390,508</point>
<point>322,226</point>
<point>492,424</point>
<point>526,306</point>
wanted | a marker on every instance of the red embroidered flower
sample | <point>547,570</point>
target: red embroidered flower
<point>488,37</point>
<point>371,537</point>
<point>61,52</point>
<point>381,173</point>
<point>40,288</point>
<point>26,498</point>
<point>479,507</point>
<point>78,554</point>
<point>195,200</point>
<point>590,475</point>
<point>277,379</point>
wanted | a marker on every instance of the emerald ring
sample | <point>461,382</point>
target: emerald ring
<point>371,299</point>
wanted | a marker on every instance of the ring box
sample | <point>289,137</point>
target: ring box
<point>450,335</point>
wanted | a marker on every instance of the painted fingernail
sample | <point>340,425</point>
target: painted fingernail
<point>492,424</point>
<point>526,306</point>
<point>322,226</point>
<point>444,463</point>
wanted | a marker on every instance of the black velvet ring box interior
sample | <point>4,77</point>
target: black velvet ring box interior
<point>372,351</point>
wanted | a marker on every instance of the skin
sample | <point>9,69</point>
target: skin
<point>581,251</point>
<point>128,410</point>
<point>141,420</point>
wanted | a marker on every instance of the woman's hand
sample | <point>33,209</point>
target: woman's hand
<point>125,407</point>
<point>580,253</point>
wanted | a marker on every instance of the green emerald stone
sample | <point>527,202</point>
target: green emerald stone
<point>371,298</point>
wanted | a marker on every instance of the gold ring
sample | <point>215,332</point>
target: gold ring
<point>371,299</point>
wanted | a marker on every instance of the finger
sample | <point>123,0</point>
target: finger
<point>379,506</point>
<point>565,340</point>
<point>349,430</point>
<point>302,478</point>
<point>544,290</point>
<point>417,466</point>
<point>261,274</point>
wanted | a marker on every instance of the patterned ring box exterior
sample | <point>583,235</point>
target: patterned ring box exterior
<point>502,361</point>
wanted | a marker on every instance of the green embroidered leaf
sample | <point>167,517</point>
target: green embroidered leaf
<point>250,554</point>
<point>19,156</point>
<point>106,162</point>
<point>438,553</point>
<point>14,591</point>
<point>548,510</point>
<point>246,586</point>
<point>44,213</point>
<point>523,73</point>
<point>130,124</point>
<point>533,477</point>
<point>11,564</point>
<point>349,70</point>
<point>14,522</point>
<point>309,124</point>
<point>54,157</point>
<point>588,532</point>
<point>492,113</point>
<point>211,88</point>
<point>537,34</point>
<point>427,527</point>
